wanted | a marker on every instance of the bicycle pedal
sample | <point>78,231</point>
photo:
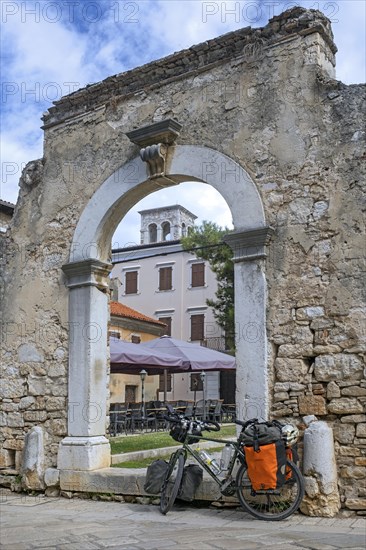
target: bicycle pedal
<point>228,488</point>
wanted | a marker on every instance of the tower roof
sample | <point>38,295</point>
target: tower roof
<point>171,207</point>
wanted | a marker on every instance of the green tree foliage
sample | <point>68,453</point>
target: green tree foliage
<point>205,241</point>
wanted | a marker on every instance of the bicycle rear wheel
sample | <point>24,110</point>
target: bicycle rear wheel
<point>172,482</point>
<point>267,505</point>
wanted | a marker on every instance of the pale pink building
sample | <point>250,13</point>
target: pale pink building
<point>161,280</point>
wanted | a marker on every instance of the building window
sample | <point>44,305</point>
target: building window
<point>153,233</point>
<point>168,382</point>
<point>114,334</point>
<point>130,394</point>
<point>165,278</point>
<point>197,327</point>
<point>196,382</point>
<point>168,322</point>
<point>131,282</point>
<point>135,339</point>
<point>198,274</point>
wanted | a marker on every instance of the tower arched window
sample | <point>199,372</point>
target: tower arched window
<point>153,233</point>
<point>166,231</point>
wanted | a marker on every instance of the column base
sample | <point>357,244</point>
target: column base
<point>84,453</point>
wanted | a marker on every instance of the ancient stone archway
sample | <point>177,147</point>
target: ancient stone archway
<point>86,447</point>
<point>266,98</point>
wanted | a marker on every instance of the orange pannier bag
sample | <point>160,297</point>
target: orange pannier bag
<point>266,466</point>
<point>289,456</point>
<point>292,455</point>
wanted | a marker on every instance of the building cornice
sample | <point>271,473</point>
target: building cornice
<point>136,325</point>
<point>249,245</point>
<point>290,25</point>
<point>88,273</point>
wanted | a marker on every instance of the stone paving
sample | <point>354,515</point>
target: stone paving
<point>29,522</point>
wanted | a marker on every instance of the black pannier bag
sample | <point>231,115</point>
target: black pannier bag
<point>191,480</point>
<point>155,475</point>
<point>261,433</point>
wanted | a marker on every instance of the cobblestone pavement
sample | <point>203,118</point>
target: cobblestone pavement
<point>38,522</point>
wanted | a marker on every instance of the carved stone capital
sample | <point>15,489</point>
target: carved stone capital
<point>155,140</point>
<point>249,245</point>
<point>87,273</point>
<point>155,156</point>
<point>166,131</point>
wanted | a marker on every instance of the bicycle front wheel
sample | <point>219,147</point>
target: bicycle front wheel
<point>172,482</point>
<point>271,505</point>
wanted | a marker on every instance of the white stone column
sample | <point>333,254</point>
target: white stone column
<point>320,470</point>
<point>86,447</point>
<point>252,393</point>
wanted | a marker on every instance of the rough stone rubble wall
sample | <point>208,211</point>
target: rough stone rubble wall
<point>317,305</point>
<point>265,98</point>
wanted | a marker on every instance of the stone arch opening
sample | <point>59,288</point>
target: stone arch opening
<point>153,233</point>
<point>165,231</point>
<point>86,447</point>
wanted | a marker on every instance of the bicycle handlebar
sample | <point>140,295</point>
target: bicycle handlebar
<point>172,419</point>
<point>208,425</point>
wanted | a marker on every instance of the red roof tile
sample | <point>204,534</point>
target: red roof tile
<point>120,310</point>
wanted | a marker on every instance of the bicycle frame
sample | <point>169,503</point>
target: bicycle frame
<point>273,504</point>
<point>237,455</point>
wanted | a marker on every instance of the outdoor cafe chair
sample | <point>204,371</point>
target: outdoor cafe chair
<point>119,419</point>
<point>228,412</point>
<point>188,412</point>
<point>200,411</point>
<point>215,411</point>
<point>159,412</point>
<point>140,419</point>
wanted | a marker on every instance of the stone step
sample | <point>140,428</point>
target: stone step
<point>126,481</point>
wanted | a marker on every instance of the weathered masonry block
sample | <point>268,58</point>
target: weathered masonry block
<point>262,119</point>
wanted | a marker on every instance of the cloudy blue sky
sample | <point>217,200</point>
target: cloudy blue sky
<point>51,48</point>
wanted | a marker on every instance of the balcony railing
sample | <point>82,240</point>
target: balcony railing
<point>217,343</point>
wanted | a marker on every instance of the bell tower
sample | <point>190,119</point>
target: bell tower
<point>167,223</point>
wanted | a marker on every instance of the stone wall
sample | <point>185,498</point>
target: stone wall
<point>317,319</point>
<point>267,98</point>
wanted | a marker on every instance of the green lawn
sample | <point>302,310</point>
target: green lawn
<point>140,463</point>
<point>145,462</point>
<point>157,440</point>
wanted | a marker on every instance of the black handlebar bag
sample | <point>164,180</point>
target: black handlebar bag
<point>178,433</point>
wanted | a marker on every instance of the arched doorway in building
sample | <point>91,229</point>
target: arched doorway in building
<point>86,447</point>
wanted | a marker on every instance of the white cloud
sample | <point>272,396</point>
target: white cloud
<point>45,59</point>
<point>199,198</point>
<point>349,28</point>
